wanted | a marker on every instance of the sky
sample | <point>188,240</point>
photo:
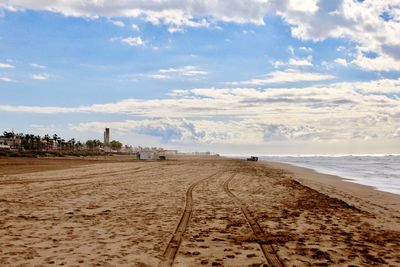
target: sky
<point>227,76</point>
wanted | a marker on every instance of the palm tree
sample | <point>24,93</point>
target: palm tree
<point>78,145</point>
<point>27,142</point>
<point>37,143</point>
<point>90,144</point>
<point>8,134</point>
<point>115,145</point>
<point>71,144</point>
<point>57,141</point>
<point>47,139</point>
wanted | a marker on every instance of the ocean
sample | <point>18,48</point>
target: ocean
<point>379,171</point>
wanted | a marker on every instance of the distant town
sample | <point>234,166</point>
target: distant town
<point>26,145</point>
<point>55,144</point>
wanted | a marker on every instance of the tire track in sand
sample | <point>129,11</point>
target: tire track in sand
<point>87,176</point>
<point>267,249</point>
<point>176,239</point>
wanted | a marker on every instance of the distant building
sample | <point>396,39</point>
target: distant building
<point>147,155</point>
<point>11,142</point>
<point>202,153</point>
<point>107,137</point>
<point>48,144</point>
<point>3,145</point>
<point>170,151</point>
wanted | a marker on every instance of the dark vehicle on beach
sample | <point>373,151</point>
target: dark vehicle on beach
<point>252,158</point>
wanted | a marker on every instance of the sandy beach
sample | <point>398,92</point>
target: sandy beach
<point>190,211</point>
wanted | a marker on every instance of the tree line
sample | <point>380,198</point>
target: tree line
<point>33,142</point>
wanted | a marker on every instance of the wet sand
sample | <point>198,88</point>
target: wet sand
<point>184,212</point>
<point>382,204</point>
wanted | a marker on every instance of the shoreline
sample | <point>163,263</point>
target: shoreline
<point>346,180</point>
<point>362,196</point>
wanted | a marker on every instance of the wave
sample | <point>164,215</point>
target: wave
<point>380,171</point>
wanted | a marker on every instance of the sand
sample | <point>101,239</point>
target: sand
<point>187,212</point>
<point>383,205</point>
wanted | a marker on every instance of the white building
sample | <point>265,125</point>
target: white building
<point>147,155</point>
<point>4,147</point>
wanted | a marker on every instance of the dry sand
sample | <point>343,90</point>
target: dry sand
<point>186,212</point>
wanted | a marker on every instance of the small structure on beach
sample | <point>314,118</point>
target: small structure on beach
<point>147,155</point>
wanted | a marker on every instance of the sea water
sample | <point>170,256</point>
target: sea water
<point>379,171</point>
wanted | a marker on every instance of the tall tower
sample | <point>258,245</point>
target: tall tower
<point>107,137</point>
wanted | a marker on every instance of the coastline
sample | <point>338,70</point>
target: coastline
<point>364,197</point>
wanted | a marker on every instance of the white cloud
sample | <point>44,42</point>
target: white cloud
<point>185,72</point>
<point>287,76</point>
<point>304,6</point>
<point>40,76</point>
<point>175,18</point>
<point>360,22</point>
<point>294,62</point>
<point>254,116</point>
<point>282,132</point>
<point>178,13</point>
<point>300,62</point>
<point>396,133</point>
<point>382,62</point>
<point>6,79</point>
<point>133,41</point>
<point>135,27</point>
<point>158,76</point>
<point>6,66</point>
<point>38,66</point>
<point>118,23</point>
<point>306,49</point>
<point>277,64</point>
<point>341,61</point>
<point>188,71</point>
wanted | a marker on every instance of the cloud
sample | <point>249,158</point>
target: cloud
<point>396,133</point>
<point>294,62</point>
<point>287,76</point>
<point>185,72</point>
<point>361,97</point>
<point>254,116</point>
<point>135,27</point>
<point>176,19</point>
<point>341,61</point>
<point>358,21</point>
<point>40,76</point>
<point>118,23</point>
<point>300,62</point>
<point>382,62</point>
<point>6,79</point>
<point>6,66</point>
<point>131,41</point>
<point>306,49</point>
<point>158,76</point>
<point>281,132</point>
<point>370,25</point>
<point>170,131</point>
<point>38,66</point>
